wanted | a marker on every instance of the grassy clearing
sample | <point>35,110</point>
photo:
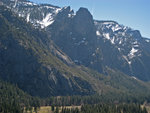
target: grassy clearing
<point>47,109</point>
<point>148,108</point>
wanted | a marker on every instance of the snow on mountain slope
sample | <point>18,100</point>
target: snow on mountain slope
<point>79,36</point>
<point>48,20</point>
<point>40,15</point>
<point>132,53</point>
<point>122,37</point>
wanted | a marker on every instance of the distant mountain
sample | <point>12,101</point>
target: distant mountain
<point>52,51</point>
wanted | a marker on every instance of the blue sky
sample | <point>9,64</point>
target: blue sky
<point>132,13</point>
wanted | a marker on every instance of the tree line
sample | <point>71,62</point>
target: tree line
<point>14,100</point>
<point>106,108</point>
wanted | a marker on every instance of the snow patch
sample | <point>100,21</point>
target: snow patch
<point>69,15</point>
<point>123,34</point>
<point>15,3</point>
<point>57,10</point>
<point>116,28</point>
<point>98,33</point>
<point>21,15</point>
<point>135,44</point>
<point>132,53</point>
<point>49,7</point>
<point>28,17</point>
<point>106,35</point>
<point>48,20</point>
<point>29,3</point>
<point>113,40</point>
<point>129,62</point>
<point>147,41</point>
<point>134,77</point>
<point>120,41</point>
<point>106,23</point>
<point>119,49</point>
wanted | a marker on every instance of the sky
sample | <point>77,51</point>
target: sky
<point>132,13</point>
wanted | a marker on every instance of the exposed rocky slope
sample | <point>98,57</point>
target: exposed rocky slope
<point>27,60</point>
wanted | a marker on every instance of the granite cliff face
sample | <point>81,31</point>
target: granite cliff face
<point>100,44</point>
<point>75,35</point>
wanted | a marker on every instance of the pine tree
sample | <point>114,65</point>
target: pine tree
<point>52,107</point>
<point>57,110</point>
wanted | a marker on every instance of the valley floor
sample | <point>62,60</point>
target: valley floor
<point>48,109</point>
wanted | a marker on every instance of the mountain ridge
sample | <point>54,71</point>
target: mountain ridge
<point>66,57</point>
<point>31,66</point>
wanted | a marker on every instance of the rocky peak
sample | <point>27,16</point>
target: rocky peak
<point>66,9</point>
<point>83,21</point>
<point>65,13</point>
<point>84,13</point>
